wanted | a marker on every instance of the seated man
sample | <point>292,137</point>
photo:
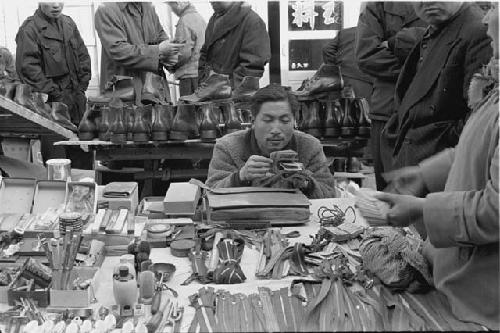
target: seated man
<point>460,210</point>
<point>242,158</point>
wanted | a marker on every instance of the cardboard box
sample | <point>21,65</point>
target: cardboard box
<point>16,195</point>
<point>181,199</point>
<point>131,202</point>
<point>77,298</point>
<point>48,194</point>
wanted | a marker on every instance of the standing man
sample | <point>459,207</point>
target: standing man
<point>387,31</point>
<point>133,42</point>
<point>191,30</point>
<point>432,88</point>
<point>236,44</point>
<point>52,58</point>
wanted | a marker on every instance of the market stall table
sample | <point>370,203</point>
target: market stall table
<point>153,152</point>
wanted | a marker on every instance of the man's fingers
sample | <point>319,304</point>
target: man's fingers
<point>386,197</point>
<point>258,158</point>
<point>255,164</point>
<point>390,175</point>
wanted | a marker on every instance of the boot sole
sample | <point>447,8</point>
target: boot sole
<point>179,135</point>
<point>208,135</point>
<point>159,136</point>
<point>140,137</point>
<point>332,133</point>
<point>118,138</point>
<point>86,136</point>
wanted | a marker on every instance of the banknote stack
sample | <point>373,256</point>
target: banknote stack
<point>373,210</point>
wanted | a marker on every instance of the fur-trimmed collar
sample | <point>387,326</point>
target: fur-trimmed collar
<point>482,84</point>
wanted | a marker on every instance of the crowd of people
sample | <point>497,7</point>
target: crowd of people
<point>429,71</point>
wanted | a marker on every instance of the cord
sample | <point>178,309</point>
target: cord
<point>334,216</point>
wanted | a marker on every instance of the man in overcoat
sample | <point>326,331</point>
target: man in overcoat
<point>236,43</point>
<point>431,93</point>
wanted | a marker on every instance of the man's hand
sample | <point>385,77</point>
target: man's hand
<point>255,167</point>
<point>167,48</point>
<point>405,209</point>
<point>407,180</point>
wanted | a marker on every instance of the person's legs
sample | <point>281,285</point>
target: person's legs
<point>187,86</point>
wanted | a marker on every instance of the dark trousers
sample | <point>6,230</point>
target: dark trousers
<point>381,153</point>
<point>187,86</point>
<point>79,158</point>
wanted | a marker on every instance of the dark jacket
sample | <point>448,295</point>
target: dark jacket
<point>129,41</point>
<point>233,150</point>
<point>432,103</point>
<point>52,60</point>
<point>396,23</point>
<point>236,44</point>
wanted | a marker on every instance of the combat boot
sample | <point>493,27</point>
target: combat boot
<point>117,127</point>
<point>208,127</point>
<point>328,78</point>
<point>348,127</point>
<point>32,100</point>
<point>248,87</point>
<point>332,124</point>
<point>60,114</point>
<point>8,88</point>
<point>184,125</point>
<point>104,134</point>
<point>140,130</point>
<point>87,128</point>
<point>362,109</point>
<point>312,121</point>
<point>161,124</point>
<point>233,122</point>
<point>216,86</point>
<point>40,106</point>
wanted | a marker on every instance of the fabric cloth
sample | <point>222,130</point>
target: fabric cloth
<point>395,258</point>
<point>396,24</point>
<point>461,218</point>
<point>233,150</point>
<point>129,40</point>
<point>236,44</point>
<point>51,56</point>
<point>191,29</point>
<point>432,103</point>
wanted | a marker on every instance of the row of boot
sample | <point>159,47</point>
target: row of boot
<point>24,95</point>
<point>119,123</point>
<point>343,117</point>
<point>218,87</point>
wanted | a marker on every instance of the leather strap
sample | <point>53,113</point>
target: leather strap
<point>278,310</point>
<point>271,320</point>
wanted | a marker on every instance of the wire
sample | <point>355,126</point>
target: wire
<point>334,216</point>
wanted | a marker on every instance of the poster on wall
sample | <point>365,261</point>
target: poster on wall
<point>314,15</point>
<point>311,17</point>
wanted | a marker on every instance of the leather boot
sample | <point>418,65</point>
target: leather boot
<point>332,125</point>
<point>40,105</point>
<point>233,122</point>
<point>184,125</point>
<point>347,127</point>
<point>312,121</point>
<point>327,78</point>
<point>117,127</point>
<point>248,87</point>
<point>87,128</point>
<point>299,115</point>
<point>60,114</point>
<point>208,127</point>
<point>160,127</point>
<point>23,94</point>
<point>140,130</point>
<point>216,86</point>
<point>363,111</point>
<point>8,88</point>
<point>129,114</point>
<point>104,134</point>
